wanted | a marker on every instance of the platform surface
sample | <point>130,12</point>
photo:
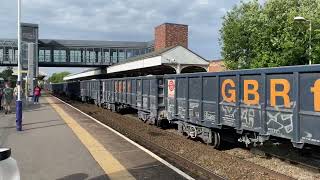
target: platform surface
<point>58,142</point>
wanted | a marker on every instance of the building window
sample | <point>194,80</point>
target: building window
<point>136,52</point>
<point>11,55</point>
<point>75,56</point>
<point>44,55</point>
<point>129,53</point>
<point>1,55</point>
<point>47,56</point>
<point>106,55</point>
<point>16,55</point>
<point>92,56</point>
<point>59,56</point>
<point>114,55</point>
<point>144,51</point>
<point>83,54</point>
<point>99,56</point>
<point>41,55</point>
<point>121,55</point>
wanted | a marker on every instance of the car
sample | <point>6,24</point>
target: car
<point>8,166</point>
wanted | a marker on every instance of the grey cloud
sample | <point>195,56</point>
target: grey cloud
<point>120,19</point>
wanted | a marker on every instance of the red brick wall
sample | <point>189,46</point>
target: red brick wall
<point>216,66</point>
<point>168,34</point>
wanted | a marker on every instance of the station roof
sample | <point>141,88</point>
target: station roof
<point>84,74</point>
<point>148,62</point>
<point>82,43</point>
<point>91,43</point>
<point>168,56</point>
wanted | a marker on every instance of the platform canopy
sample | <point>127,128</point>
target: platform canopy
<point>175,59</point>
<point>170,60</point>
<point>85,74</point>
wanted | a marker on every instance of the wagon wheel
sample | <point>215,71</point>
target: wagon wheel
<point>180,129</point>
<point>152,121</point>
<point>216,140</point>
<point>158,122</point>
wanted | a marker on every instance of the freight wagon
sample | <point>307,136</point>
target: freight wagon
<point>145,94</point>
<point>249,105</point>
<point>90,91</point>
<point>56,88</point>
<point>255,104</point>
<point>69,89</point>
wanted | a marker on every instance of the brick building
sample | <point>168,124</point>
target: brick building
<point>216,66</point>
<point>169,34</point>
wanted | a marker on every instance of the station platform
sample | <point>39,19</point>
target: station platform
<point>59,142</point>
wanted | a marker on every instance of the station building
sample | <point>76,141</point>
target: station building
<point>170,54</point>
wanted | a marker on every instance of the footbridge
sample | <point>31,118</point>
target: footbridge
<point>70,53</point>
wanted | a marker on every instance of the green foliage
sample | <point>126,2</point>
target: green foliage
<point>58,77</point>
<point>6,74</point>
<point>255,35</point>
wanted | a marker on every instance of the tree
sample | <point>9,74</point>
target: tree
<point>58,77</point>
<point>255,35</point>
<point>7,74</point>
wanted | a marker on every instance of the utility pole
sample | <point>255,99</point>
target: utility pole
<point>302,19</point>
<point>19,102</point>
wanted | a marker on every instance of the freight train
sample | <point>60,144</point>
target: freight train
<point>251,106</point>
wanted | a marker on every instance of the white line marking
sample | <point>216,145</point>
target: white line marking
<point>134,143</point>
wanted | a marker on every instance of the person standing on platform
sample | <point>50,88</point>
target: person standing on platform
<point>7,98</point>
<point>36,94</point>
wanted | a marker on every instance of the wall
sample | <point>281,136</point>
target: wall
<point>168,34</point>
<point>216,66</point>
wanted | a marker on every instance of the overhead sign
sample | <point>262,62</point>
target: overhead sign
<point>171,88</point>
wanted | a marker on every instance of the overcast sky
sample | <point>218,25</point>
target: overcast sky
<point>127,20</point>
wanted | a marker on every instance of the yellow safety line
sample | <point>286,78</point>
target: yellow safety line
<point>111,166</point>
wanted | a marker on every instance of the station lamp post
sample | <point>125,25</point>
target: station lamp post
<point>19,102</point>
<point>302,19</point>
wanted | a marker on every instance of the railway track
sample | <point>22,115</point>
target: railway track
<point>195,170</point>
<point>293,156</point>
